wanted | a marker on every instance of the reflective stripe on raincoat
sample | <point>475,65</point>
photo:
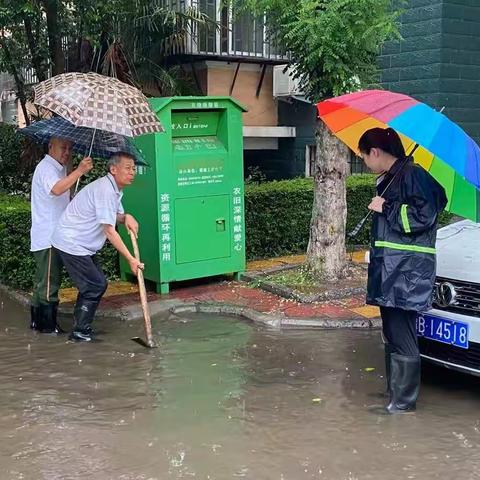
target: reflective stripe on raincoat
<point>401,272</point>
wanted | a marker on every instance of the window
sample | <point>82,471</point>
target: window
<point>247,34</point>
<point>207,38</point>
<point>356,164</point>
<point>9,112</point>
<point>310,152</point>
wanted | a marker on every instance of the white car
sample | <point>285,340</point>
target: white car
<point>449,333</point>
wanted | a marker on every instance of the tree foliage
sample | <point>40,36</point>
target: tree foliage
<point>333,43</point>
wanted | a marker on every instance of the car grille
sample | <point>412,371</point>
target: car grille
<point>467,301</point>
<point>459,356</point>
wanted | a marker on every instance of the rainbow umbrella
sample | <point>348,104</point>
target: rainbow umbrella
<point>445,150</point>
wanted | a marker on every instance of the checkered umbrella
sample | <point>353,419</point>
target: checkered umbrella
<point>98,102</point>
<point>105,144</point>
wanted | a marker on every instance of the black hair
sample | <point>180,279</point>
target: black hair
<point>387,139</point>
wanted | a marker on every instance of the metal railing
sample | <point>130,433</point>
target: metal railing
<point>230,34</point>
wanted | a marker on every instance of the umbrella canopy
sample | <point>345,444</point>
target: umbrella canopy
<point>105,144</point>
<point>445,150</point>
<point>99,102</point>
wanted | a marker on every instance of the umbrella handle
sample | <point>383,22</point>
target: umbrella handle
<point>89,153</point>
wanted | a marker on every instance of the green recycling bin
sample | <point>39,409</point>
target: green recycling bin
<point>189,200</point>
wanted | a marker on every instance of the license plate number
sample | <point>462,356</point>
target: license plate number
<point>443,330</point>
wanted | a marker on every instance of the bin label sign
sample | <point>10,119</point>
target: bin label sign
<point>165,230</point>
<point>204,104</point>
<point>194,145</point>
<point>187,125</point>
<point>237,219</point>
<point>212,175</point>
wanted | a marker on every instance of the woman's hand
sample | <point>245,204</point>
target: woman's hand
<point>377,204</point>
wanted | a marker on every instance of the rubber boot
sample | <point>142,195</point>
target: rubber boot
<point>404,383</point>
<point>51,323</point>
<point>83,317</point>
<point>34,317</point>
<point>388,354</point>
<point>46,319</point>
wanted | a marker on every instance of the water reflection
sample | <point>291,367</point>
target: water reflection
<point>221,399</point>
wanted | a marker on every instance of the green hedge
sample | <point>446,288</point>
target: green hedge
<point>16,261</point>
<point>277,216</point>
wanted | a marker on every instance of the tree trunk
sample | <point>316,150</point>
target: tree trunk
<point>12,70</point>
<point>326,255</point>
<point>37,63</point>
<point>54,36</point>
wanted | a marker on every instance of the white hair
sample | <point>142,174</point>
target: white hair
<point>116,158</point>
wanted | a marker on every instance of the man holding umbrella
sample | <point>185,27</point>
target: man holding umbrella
<point>49,198</point>
<point>104,106</point>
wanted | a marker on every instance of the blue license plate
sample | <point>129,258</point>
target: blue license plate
<point>443,330</point>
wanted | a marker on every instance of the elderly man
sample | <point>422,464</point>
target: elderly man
<point>88,221</point>
<point>50,196</point>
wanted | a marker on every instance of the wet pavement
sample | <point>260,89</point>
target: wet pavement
<point>222,399</point>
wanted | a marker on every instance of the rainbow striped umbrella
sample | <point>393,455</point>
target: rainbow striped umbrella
<point>445,150</point>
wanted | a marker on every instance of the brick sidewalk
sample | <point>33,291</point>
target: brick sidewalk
<point>122,294</point>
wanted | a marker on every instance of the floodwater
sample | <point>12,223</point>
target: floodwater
<point>222,399</point>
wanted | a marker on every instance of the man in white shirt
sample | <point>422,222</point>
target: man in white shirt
<point>49,198</point>
<point>88,221</point>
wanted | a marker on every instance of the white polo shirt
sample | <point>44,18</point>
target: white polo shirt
<point>46,207</point>
<point>80,228</point>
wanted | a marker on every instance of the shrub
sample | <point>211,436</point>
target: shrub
<point>16,262</point>
<point>17,265</point>
<point>278,214</point>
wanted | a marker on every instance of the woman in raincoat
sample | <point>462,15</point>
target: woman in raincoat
<point>401,273</point>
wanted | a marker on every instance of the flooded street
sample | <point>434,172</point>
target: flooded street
<point>222,399</point>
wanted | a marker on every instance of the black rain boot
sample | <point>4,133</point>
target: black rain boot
<point>41,319</point>
<point>58,328</point>
<point>388,354</point>
<point>83,317</point>
<point>47,319</point>
<point>34,317</point>
<point>404,383</point>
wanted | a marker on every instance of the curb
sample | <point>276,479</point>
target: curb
<point>280,321</point>
<point>22,298</point>
<point>176,307</point>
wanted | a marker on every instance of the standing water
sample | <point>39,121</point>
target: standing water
<point>221,399</point>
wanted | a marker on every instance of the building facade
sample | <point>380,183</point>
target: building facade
<point>438,60</point>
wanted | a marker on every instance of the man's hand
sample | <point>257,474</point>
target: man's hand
<point>131,224</point>
<point>377,204</point>
<point>85,165</point>
<point>135,265</point>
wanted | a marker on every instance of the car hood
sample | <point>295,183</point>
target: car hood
<point>458,251</point>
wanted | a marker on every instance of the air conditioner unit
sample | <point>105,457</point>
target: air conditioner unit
<point>284,85</point>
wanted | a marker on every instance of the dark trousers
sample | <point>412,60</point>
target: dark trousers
<point>399,330</point>
<point>48,270</point>
<point>87,275</point>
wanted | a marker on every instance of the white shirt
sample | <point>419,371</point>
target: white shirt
<point>46,207</point>
<point>80,228</point>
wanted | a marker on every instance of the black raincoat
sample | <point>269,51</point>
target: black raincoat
<point>402,267</point>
